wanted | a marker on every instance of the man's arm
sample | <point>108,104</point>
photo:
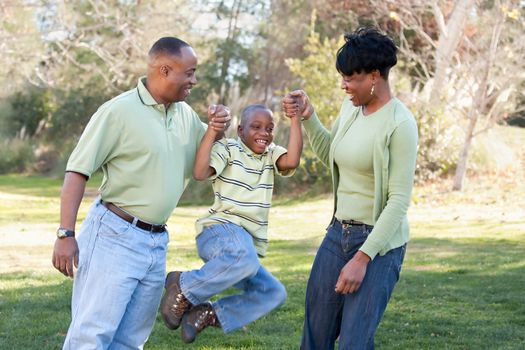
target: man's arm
<point>290,160</point>
<point>65,252</point>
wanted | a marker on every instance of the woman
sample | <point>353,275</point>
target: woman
<point>371,152</point>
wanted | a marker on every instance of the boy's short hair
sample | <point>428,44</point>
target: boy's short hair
<point>249,110</point>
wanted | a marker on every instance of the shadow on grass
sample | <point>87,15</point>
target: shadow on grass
<point>453,294</point>
<point>34,310</point>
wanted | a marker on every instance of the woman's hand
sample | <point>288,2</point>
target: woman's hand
<point>352,274</point>
<point>297,103</point>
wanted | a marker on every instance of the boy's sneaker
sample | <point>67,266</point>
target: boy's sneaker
<point>173,304</point>
<point>195,320</point>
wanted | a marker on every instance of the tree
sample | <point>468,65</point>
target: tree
<point>20,45</point>
<point>486,83</point>
<point>318,75</point>
<point>458,81</point>
<point>321,81</point>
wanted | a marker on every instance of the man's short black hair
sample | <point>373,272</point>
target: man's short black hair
<point>168,45</point>
<point>366,49</point>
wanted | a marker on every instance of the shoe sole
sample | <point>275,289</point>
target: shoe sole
<point>164,309</point>
<point>188,333</point>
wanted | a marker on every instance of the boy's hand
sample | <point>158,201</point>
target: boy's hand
<point>297,103</point>
<point>219,118</point>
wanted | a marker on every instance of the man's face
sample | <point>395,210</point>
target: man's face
<point>180,77</point>
<point>257,130</point>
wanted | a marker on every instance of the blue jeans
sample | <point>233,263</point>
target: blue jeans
<point>231,260</point>
<point>118,285</point>
<point>353,317</point>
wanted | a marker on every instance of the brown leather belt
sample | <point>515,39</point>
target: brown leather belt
<point>125,216</point>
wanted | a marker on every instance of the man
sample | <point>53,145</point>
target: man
<point>145,142</point>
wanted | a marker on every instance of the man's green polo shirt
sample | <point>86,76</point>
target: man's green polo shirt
<point>146,152</point>
<point>243,185</point>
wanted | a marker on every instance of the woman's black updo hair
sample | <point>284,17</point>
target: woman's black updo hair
<point>366,49</point>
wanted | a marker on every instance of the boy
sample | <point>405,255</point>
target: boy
<point>234,233</point>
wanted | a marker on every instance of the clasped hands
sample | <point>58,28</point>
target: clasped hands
<point>219,118</point>
<point>297,103</point>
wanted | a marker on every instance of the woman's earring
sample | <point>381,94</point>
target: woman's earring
<point>372,89</point>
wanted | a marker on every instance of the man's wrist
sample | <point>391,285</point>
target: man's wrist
<point>65,233</point>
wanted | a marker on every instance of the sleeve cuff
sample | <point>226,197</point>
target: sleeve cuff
<point>84,172</point>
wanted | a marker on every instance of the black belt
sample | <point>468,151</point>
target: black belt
<point>347,223</point>
<point>125,216</point>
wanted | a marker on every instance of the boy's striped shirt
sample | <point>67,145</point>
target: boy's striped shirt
<point>243,186</point>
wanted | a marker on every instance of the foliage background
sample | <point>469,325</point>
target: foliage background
<point>62,60</point>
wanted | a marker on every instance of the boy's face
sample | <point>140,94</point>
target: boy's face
<point>257,130</point>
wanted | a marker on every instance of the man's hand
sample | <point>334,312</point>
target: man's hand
<point>297,103</point>
<point>65,254</point>
<point>219,118</point>
<point>352,274</point>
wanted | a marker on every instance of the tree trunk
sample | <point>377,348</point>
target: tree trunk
<point>478,107</point>
<point>448,41</point>
<point>461,166</point>
<point>230,39</point>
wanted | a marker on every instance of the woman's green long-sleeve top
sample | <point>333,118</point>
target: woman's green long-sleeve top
<point>394,162</point>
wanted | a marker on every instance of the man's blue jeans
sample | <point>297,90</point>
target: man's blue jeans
<point>353,317</point>
<point>231,260</point>
<point>118,285</point>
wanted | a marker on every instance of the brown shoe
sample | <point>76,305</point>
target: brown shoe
<point>195,320</point>
<point>173,304</point>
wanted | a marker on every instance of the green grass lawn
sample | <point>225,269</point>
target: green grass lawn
<point>462,284</point>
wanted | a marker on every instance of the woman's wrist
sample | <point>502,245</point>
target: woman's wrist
<point>307,113</point>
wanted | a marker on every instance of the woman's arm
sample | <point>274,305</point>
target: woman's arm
<point>298,102</point>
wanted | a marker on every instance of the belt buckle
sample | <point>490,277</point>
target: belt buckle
<point>157,228</point>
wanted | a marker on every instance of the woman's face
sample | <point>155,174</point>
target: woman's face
<point>358,87</point>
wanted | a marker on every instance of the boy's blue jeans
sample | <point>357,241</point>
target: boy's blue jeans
<point>231,261</point>
<point>353,317</point>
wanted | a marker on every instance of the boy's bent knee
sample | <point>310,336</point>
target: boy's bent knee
<point>278,294</point>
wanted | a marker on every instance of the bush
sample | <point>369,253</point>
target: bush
<point>47,122</point>
<point>439,142</point>
<point>17,156</point>
<point>517,120</point>
<point>30,109</point>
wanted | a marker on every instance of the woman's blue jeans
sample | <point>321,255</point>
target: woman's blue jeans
<point>231,261</point>
<point>352,317</point>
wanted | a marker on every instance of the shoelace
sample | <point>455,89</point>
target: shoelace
<point>206,318</point>
<point>180,305</point>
